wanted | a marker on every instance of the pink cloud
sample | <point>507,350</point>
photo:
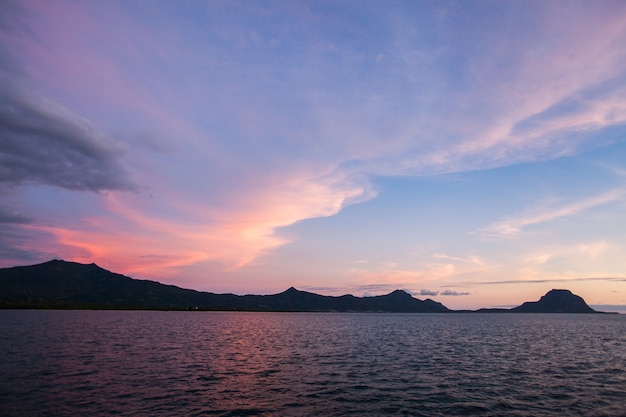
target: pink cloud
<point>132,236</point>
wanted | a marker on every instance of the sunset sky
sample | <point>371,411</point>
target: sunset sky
<point>471,152</point>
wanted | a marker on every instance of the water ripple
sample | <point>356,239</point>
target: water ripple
<point>65,363</point>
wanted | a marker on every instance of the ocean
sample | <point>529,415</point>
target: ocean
<point>159,363</point>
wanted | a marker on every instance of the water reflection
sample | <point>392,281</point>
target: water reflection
<point>200,363</point>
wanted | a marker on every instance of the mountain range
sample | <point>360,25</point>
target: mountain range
<point>70,285</point>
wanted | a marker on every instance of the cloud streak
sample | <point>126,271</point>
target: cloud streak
<point>46,144</point>
<point>444,293</point>
<point>548,281</point>
<point>515,225</point>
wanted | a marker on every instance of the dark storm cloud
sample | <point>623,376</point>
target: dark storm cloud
<point>14,239</point>
<point>10,216</point>
<point>14,254</point>
<point>43,143</point>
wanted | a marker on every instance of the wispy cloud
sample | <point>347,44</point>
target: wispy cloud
<point>517,107</point>
<point>593,250</point>
<point>400,277</point>
<point>514,225</point>
<point>546,281</point>
<point>454,293</point>
<point>444,292</point>
<point>471,259</point>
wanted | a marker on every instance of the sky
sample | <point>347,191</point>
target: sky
<point>473,153</point>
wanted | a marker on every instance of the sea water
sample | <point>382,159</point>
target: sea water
<point>139,363</point>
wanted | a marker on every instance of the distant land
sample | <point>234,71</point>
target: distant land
<point>60,284</point>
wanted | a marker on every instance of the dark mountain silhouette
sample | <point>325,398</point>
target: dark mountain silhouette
<point>61,284</point>
<point>555,301</point>
<point>71,285</point>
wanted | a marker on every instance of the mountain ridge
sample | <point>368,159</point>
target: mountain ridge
<point>72,285</point>
<point>62,284</point>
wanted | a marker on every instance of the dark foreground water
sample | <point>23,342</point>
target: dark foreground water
<point>71,363</point>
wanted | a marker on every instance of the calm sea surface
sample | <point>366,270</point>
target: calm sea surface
<point>134,363</point>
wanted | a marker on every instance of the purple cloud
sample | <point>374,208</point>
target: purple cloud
<point>455,293</point>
